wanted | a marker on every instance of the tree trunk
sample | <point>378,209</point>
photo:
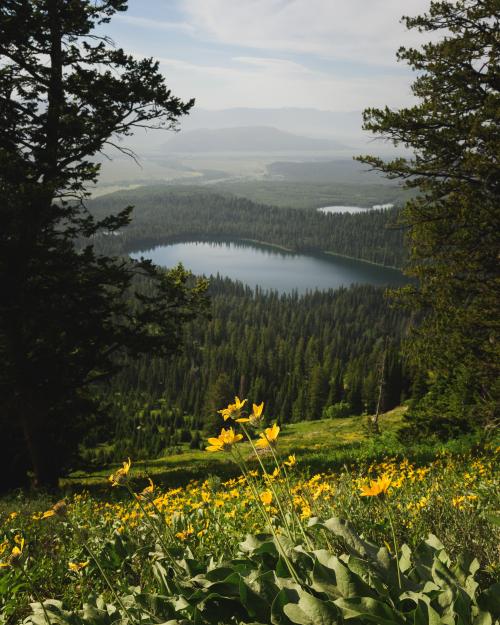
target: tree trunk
<point>42,455</point>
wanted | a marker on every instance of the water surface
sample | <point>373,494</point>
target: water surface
<point>352,209</point>
<point>271,268</point>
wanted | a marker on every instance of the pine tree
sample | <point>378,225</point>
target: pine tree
<point>67,313</point>
<point>453,225</point>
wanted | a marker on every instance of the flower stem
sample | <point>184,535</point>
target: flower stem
<point>35,593</point>
<point>101,571</point>
<point>264,513</point>
<point>155,529</point>
<point>395,543</point>
<point>289,494</point>
<point>287,527</point>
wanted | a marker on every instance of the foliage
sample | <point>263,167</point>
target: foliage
<point>453,224</point>
<point>307,353</point>
<point>335,187</point>
<point>68,312</point>
<point>195,570</point>
<point>166,213</point>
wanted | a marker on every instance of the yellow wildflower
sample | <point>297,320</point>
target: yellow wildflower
<point>58,509</point>
<point>225,440</point>
<point>291,461</point>
<point>266,497</point>
<point>76,567</point>
<point>16,552</point>
<point>120,476</point>
<point>233,410</point>
<point>148,491</point>
<point>185,534</point>
<point>268,438</point>
<point>377,487</point>
<point>255,417</point>
<point>306,512</point>
<point>3,547</point>
<point>458,502</point>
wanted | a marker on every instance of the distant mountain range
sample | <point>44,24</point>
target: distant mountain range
<point>338,125</point>
<point>260,139</point>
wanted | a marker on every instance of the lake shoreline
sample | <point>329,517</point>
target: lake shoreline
<point>263,265</point>
<point>134,249</point>
<point>363,260</point>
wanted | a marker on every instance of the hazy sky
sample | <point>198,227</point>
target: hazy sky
<point>329,54</point>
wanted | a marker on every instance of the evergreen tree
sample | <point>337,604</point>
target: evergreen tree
<point>453,224</point>
<point>67,313</point>
<point>219,394</point>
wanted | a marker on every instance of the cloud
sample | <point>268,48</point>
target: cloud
<point>366,31</point>
<point>274,82</point>
<point>147,23</point>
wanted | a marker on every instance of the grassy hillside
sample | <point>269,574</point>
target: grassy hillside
<point>322,445</point>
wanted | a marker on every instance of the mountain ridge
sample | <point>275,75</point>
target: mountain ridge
<point>247,139</point>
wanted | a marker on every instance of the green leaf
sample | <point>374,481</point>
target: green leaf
<point>483,618</point>
<point>55,612</point>
<point>367,573</point>
<point>335,579</point>
<point>345,530</point>
<point>370,610</point>
<point>255,605</point>
<point>284,597</point>
<point>253,542</point>
<point>493,518</point>
<point>424,614</point>
<point>312,611</point>
<point>405,559</point>
<point>489,600</point>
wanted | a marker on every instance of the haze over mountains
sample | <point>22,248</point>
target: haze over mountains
<point>260,139</point>
<point>343,128</point>
<point>241,143</point>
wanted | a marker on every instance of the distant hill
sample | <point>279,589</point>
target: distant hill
<point>247,139</point>
<point>338,125</point>
<point>344,171</point>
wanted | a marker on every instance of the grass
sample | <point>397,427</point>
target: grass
<point>325,443</point>
<point>448,490</point>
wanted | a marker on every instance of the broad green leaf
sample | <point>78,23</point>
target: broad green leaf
<point>424,614</point>
<point>483,618</point>
<point>370,610</point>
<point>253,542</point>
<point>219,574</point>
<point>285,596</point>
<point>56,614</point>
<point>255,605</point>
<point>334,578</point>
<point>405,559</point>
<point>345,530</point>
<point>489,600</point>
<point>312,611</point>
<point>368,574</point>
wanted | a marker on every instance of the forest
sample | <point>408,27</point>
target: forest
<point>181,452</point>
<point>164,213</point>
<point>323,355</point>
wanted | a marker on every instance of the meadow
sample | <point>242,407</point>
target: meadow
<point>318,523</point>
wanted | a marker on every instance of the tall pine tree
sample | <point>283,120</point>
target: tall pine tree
<point>453,224</point>
<point>67,313</point>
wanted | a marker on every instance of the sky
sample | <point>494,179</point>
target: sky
<point>334,55</point>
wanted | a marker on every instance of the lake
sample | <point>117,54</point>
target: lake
<point>353,209</point>
<point>271,268</point>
